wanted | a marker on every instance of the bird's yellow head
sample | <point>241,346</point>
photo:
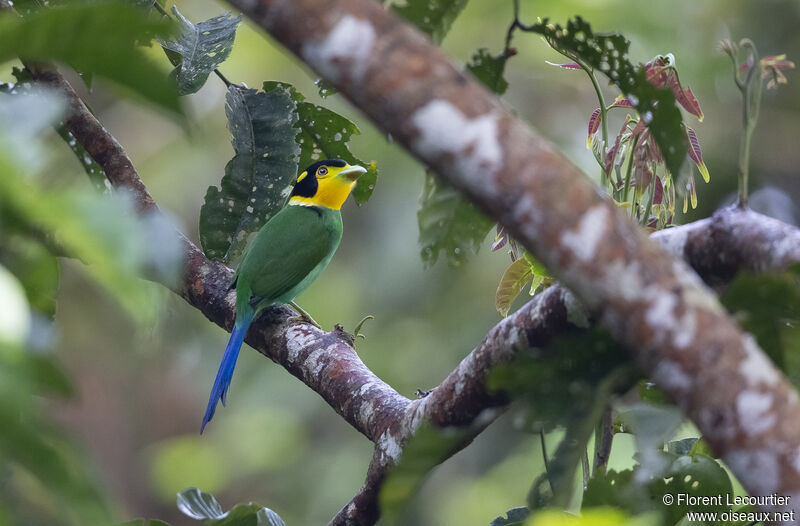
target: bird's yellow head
<point>325,183</point>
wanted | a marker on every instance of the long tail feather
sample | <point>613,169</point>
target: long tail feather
<point>225,372</point>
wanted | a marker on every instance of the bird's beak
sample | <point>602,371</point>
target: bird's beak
<point>351,173</point>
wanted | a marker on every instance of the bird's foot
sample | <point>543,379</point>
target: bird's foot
<point>303,317</point>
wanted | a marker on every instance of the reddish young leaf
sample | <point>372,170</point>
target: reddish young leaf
<point>594,124</point>
<point>656,72</point>
<point>565,65</point>
<point>622,102</point>
<point>658,195</point>
<point>696,155</point>
<point>685,97</point>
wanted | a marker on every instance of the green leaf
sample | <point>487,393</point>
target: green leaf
<point>200,48</point>
<point>652,426</point>
<point>489,70</point>
<point>433,17</point>
<point>324,134</point>
<point>695,476</point>
<point>607,53</point>
<point>603,516</point>
<point>259,178</point>
<point>144,522</point>
<point>199,505</point>
<point>514,278</point>
<point>768,306</point>
<point>448,223</point>
<point>30,443</point>
<point>429,447</point>
<point>116,244</point>
<point>33,265</point>
<point>700,447</point>
<point>93,37</point>
<point>514,517</point>
<point>681,447</point>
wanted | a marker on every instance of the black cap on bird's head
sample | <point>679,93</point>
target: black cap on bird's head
<point>325,183</point>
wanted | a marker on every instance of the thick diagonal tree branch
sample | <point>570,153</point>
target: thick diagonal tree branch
<point>328,364</point>
<point>649,301</point>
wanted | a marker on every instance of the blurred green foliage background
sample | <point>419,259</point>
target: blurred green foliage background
<point>141,389</point>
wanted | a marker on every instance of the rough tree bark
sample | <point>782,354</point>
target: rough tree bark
<point>327,363</point>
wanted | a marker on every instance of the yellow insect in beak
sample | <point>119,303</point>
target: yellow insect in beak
<point>351,173</point>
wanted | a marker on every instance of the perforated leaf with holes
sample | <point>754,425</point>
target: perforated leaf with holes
<point>433,17</point>
<point>324,134</point>
<point>448,224</point>
<point>259,178</point>
<point>200,48</point>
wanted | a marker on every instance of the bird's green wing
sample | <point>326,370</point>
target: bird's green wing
<point>286,251</point>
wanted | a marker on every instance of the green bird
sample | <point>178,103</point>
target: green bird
<point>286,256</point>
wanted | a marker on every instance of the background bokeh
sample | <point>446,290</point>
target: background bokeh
<point>142,391</point>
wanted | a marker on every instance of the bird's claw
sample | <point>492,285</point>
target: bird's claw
<point>303,317</point>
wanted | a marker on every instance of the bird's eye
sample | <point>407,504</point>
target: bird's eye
<point>322,171</point>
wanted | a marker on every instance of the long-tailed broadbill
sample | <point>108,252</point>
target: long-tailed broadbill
<point>286,256</point>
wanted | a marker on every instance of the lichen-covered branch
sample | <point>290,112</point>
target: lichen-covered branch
<point>656,305</point>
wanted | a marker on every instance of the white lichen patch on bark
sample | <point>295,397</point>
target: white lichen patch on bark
<point>344,52</point>
<point>297,339</point>
<point>756,368</point>
<point>315,361</point>
<point>387,444</point>
<point>583,240</point>
<point>623,279</point>
<point>472,144</point>
<point>577,314</point>
<point>759,467</point>
<point>754,410</point>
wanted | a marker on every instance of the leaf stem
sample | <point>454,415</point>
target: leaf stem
<point>751,98</point>
<point>629,171</point>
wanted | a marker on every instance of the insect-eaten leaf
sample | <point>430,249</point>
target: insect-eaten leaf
<point>488,69</point>
<point>607,53</point>
<point>324,134</point>
<point>448,223</point>
<point>97,38</point>
<point>199,49</point>
<point>259,178</point>
<point>433,17</point>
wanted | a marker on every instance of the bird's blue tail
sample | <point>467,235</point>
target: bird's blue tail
<point>225,372</point>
